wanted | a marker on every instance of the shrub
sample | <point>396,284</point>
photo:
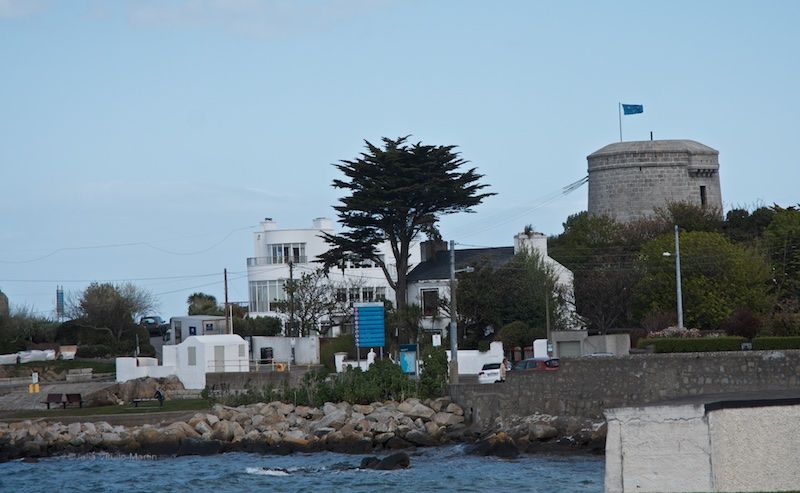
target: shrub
<point>434,375</point>
<point>484,345</point>
<point>762,343</point>
<point>743,323</point>
<point>681,345</point>
<point>675,333</point>
<point>258,326</point>
<point>93,351</point>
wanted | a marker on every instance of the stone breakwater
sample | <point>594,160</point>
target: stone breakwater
<point>281,428</point>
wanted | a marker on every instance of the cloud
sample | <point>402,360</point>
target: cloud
<point>11,9</point>
<point>252,18</point>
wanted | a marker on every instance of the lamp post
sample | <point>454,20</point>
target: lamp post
<point>454,314</point>
<point>678,293</point>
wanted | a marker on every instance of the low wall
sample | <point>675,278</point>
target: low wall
<point>585,387</point>
<point>697,447</point>
<point>236,382</point>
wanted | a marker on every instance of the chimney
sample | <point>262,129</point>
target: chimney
<point>531,241</point>
<point>323,223</point>
<point>268,224</point>
<point>429,248</point>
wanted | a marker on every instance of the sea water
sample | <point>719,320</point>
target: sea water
<point>432,469</point>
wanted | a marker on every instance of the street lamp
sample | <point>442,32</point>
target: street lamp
<point>678,292</point>
<point>454,314</point>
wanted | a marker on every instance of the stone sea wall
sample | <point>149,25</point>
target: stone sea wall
<point>585,387</point>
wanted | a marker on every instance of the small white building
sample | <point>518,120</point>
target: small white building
<point>181,328</point>
<point>191,360</point>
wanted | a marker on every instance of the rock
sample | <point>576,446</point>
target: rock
<point>432,429</point>
<point>383,437</point>
<point>335,419</point>
<point>363,409</point>
<point>416,410</point>
<point>222,431</point>
<point>74,429</point>
<point>447,419</point>
<point>329,408</point>
<point>89,428</point>
<point>455,409</point>
<point>257,420</point>
<point>440,404</point>
<point>302,411</point>
<point>396,443</point>
<point>369,462</point>
<point>285,408</point>
<point>212,419</point>
<point>400,460</point>
<point>203,428</point>
<point>498,445</point>
<point>420,438</point>
<point>194,446</point>
<point>323,430</point>
<point>542,431</point>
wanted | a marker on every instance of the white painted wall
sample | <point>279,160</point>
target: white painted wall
<point>471,361</point>
<point>342,364</point>
<point>683,448</point>
<point>177,362</point>
<point>306,349</point>
<point>756,449</point>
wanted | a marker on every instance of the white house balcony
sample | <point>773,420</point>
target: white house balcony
<point>255,261</point>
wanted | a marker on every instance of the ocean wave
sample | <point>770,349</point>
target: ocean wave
<point>263,471</point>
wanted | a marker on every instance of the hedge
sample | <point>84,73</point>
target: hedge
<point>93,351</point>
<point>760,343</point>
<point>682,345</point>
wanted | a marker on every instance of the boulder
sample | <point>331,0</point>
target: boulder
<point>195,446</point>
<point>455,409</point>
<point>400,460</point>
<point>420,438</point>
<point>447,419</point>
<point>363,409</point>
<point>542,431</point>
<point>415,410</point>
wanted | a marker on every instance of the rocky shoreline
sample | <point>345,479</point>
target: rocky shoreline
<point>281,428</point>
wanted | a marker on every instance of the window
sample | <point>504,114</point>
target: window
<point>380,294</point>
<point>341,295</point>
<point>241,350</point>
<point>192,354</point>
<point>283,253</point>
<point>430,302</point>
<point>702,195</point>
<point>354,295</point>
<point>264,293</point>
<point>368,294</point>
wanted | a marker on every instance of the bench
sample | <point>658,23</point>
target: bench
<point>55,399</point>
<point>148,400</point>
<point>73,399</point>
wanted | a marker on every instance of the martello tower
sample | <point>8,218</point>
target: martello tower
<point>628,180</point>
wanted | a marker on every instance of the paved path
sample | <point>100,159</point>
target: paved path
<point>19,399</point>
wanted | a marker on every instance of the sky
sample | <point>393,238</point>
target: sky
<point>144,140</point>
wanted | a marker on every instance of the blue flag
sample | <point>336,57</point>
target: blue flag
<point>632,109</point>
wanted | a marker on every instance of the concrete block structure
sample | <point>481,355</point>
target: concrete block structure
<point>628,180</point>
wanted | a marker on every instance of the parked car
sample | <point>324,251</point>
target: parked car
<point>155,325</point>
<point>490,373</point>
<point>540,364</point>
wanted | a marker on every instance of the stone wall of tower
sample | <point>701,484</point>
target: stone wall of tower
<point>628,184</point>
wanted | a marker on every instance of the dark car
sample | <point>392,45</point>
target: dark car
<point>541,364</point>
<point>155,325</point>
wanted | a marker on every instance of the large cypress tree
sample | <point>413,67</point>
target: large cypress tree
<point>396,193</point>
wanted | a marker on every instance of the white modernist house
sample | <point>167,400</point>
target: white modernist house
<point>429,282</point>
<point>191,360</point>
<point>281,253</point>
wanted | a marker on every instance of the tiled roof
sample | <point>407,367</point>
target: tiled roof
<point>439,267</point>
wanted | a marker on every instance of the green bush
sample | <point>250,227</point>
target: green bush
<point>484,345</point>
<point>761,343</point>
<point>258,326</point>
<point>433,378</point>
<point>93,351</point>
<point>681,345</point>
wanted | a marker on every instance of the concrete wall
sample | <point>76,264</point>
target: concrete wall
<point>755,449</point>
<point>306,349</point>
<point>588,386</point>
<point>688,448</point>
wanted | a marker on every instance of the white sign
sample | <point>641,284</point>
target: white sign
<point>437,340</point>
<point>34,377</point>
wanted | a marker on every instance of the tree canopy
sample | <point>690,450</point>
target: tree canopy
<point>203,304</point>
<point>394,194</point>
<point>113,306</point>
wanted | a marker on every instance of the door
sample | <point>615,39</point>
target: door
<point>569,349</point>
<point>219,359</point>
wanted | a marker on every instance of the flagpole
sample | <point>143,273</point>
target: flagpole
<point>619,108</point>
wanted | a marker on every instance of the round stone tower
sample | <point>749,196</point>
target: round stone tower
<point>628,180</point>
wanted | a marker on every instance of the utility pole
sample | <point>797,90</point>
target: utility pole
<point>291,298</point>
<point>678,292</point>
<point>547,319</point>
<point>227,317</point>
<point>453,317</point>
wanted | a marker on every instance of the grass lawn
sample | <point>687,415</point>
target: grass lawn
<point>148,408</point>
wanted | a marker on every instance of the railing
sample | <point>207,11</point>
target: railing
<point>228,365</point>
<point>256,261</point>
